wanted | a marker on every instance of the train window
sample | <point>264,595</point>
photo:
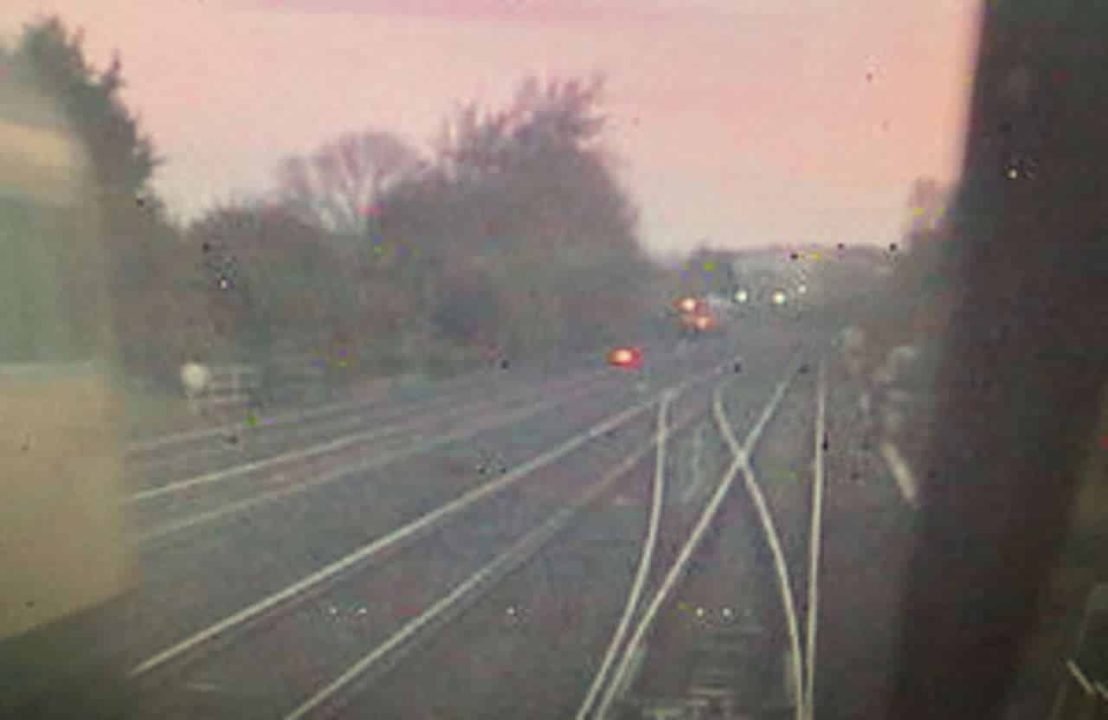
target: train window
<point>48,291</point>
<point>35,325</point>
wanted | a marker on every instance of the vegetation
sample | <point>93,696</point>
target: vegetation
<point>920,292</point>
<point>511,239</point>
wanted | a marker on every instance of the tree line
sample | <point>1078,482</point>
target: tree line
<point>509,239</point>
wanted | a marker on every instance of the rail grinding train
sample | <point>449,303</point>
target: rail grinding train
<point>64,564</point>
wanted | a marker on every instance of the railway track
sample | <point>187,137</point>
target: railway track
<point>182,575</point>
<point>509,626</point>
<point>253,548</point>
<point>254,434</point>
<point>178,461</point>
<point>169,507</point>
<point>616,673</point>
<point>202,646</point>
<point>189,504</point>
<point>293,436</point>
<point>791,583</point>
<point>374,403</point>
<point>330,631</point>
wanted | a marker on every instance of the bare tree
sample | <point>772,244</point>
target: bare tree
<point>338,185</point>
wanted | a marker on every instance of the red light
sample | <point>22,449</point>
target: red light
<point>625,357</point>
<point>687,304</point>
<point>703,322</point>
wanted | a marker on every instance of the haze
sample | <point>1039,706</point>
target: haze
<point>737,123</point>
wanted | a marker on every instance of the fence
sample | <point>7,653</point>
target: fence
<point>296,379</point>
<point>220,388</point>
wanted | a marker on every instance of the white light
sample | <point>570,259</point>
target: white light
<point>778,297</point>
<point>802,289</point>
<point>195,377</point>
<point>727,612</point>
<point>700,612</point>
<point>741,296</point>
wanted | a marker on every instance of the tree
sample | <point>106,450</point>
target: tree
<point>123,158</point>
<point>269,280</point>
<point>339,185</point>
<point>155,313</point>
<point>560,118</point>
<point>522,221</point>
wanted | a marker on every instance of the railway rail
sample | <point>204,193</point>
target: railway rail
<point>458,550</point>
<point>608,686</point>
<point>624,658</point>
<point>191,502</point>
<point>200,645</point>
<point>388,544</point>
<point>260,442</point>
<point>168,507</point>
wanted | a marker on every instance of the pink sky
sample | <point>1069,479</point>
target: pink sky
<point>740,121</point>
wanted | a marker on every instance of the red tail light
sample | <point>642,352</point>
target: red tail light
<point>625,357</point>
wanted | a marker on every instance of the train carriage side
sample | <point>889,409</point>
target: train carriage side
<point>64,564</point>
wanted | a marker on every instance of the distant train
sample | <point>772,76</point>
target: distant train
<point>698,315</point>
<point>63,557</point>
